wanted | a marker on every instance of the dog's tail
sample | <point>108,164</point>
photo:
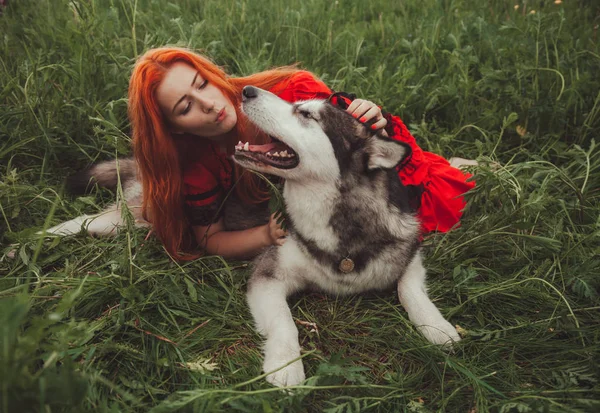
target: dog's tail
<point>105,174</point>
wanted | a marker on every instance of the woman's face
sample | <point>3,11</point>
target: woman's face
<point>194,105</point>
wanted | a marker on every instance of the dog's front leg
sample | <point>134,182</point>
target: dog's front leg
<point>267,302</point>
<point>421,311</point>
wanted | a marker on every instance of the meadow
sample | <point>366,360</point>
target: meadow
<point>111,325</point>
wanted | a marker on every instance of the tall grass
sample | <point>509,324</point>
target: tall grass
<point>114,325</point>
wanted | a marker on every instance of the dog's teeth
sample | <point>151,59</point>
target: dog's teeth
<point>284,154</point>
<point>246,146</point>
<point>275,154</point>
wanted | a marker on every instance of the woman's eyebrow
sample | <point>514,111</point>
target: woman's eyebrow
<point>184,96</point>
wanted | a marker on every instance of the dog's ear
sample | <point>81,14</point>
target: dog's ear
<point>385,153</point>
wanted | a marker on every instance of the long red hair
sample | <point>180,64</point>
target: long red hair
<point>161,157</point>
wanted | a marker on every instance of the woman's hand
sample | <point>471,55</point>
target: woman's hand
<point>275,234</point>
<point>365,110</point>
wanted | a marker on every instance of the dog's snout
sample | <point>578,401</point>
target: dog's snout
<point>249,92</point>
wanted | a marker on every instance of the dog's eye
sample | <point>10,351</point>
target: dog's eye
<point>306,114</point>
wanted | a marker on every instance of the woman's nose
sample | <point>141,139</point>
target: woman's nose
<point>205,103</point>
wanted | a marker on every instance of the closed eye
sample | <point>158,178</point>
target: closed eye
<point>187,108</point>
<point>203,84</point>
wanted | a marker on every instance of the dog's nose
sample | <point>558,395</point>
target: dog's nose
<point>249,92</point>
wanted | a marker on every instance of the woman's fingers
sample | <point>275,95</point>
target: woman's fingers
<point>277,234</point>
<point>380,124</point>
<point>275,218</point>
<point>373,113</point>
<point>365,111</point>
<point>359,107</point>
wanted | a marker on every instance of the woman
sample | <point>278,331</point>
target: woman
<point>186,119</point>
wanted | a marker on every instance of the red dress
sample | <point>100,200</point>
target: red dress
<point>441,186</point>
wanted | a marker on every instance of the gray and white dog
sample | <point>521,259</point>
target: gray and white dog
<point>350,225</point>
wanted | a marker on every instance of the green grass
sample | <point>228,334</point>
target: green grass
<point>113,325</point>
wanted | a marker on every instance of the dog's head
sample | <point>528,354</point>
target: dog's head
<point>312,140</point>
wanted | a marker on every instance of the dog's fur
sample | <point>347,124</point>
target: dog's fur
<point>344,200</point>
<point>110,174</point>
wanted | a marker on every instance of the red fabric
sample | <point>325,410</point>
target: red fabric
<point>443,186</point>
<point>302,86</point>
<point>208,178</point>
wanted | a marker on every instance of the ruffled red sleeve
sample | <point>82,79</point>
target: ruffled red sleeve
<point>301,86</point>
<point>441,202</point>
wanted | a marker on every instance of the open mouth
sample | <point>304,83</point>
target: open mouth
<point>276,154</point>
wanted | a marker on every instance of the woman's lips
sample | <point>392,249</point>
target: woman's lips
<point>221,115</point>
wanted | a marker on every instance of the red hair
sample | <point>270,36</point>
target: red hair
<point>161,157</point>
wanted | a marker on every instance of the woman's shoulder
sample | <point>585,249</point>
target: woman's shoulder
<point>304,76</point>
<point>302,85</point>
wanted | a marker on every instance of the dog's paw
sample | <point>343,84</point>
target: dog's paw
<point>442,333</point>
<point>290,375</point>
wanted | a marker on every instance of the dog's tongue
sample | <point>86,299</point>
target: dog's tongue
<point>268,147</point>
<point>264,149</point>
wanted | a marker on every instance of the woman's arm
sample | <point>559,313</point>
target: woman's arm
<point>215,240</point>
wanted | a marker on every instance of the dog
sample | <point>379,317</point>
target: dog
<point>350,226</point>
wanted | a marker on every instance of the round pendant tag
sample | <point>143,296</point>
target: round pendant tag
<point>346,265</point>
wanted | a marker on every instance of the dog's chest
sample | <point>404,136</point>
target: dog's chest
<point>329,273</point>
<point>359,242</point>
